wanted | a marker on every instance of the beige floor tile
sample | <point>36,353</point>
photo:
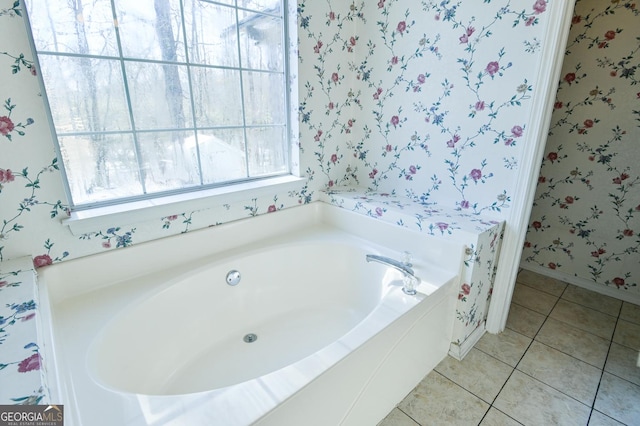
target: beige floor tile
<point>627,334</point>
<point>542,283</point>
<point>591,299</point>
<point>618,398</point>
<point>479,373</point>
<point>495,417</point>
<point>580,344</point>
<point>508,346</point>
<point>438,401</point>
<point>397,418</point>
<point>533,299</point>
<point>622,361</point>
<point>533,403</point>
<point>599,419</point>
<point>584,318</point>
<point>630,312</point>
<point>569,375</point>
<point>524,320</point>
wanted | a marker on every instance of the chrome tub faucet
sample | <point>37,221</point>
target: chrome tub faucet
<point>410,281</point>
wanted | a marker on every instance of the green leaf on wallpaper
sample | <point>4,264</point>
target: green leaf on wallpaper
<point>25,172</point>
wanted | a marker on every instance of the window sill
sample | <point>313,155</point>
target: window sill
<point>97,219</point>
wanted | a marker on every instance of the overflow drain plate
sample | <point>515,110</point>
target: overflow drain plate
<point>250,338</point>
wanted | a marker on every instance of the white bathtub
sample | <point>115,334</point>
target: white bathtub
<point>153,334</point>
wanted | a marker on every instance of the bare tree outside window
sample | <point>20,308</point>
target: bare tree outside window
<point>151,97</point>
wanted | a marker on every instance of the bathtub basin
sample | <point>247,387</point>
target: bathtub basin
<point>311,334</point>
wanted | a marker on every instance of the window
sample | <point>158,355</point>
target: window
<point>154,97</point>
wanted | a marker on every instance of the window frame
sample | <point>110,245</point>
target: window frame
<point>201,195</point>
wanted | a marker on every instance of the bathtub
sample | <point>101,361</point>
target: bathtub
<point>273,320</point>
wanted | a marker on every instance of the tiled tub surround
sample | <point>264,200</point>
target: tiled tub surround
<point>480,235</point>
<point>551,366</point>
<point>358,378</point>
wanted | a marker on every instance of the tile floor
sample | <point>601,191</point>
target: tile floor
<point>567,357</point>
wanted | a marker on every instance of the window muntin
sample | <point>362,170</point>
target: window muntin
<point>139,112</point>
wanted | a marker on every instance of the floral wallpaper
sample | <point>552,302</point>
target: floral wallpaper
<point>586,217</point>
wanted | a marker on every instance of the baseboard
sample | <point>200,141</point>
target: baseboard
<point>623,295</point>
<point>459,351</point>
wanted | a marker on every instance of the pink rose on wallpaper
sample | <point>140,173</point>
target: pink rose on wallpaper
<point>334,77</point>
<point>6,176</point>
<point>536,225</point>
<point>628,232</point>
<point>395,120</point>
<point>552,265</point>
<point>619,282</point>
<point>479,106</point>
<point>394,60</point>
<point>332,15</point>
<point>569,199</point>
<point>610,35</point>
<point>29,364</point>
<point>376,95</point>
<point>402,26</point>
<point>588,124</point>
<point>380,4</point>
<point>388,148</point>
<point>334,158</point>
<point>6,125</point>
<point>442,226</point>
<point>464,204</point>
<point>557,105</point>
<point>516,131</point>
<point>570,77</point>
<point>379,211</point>
<point>552,156</point>
<point>539,6</point>
<point>421,78</point>
<point>576,19</point>
<point>476,174</point>
<point>42,260</point>
<point>492,68</point>
<point>330,106</point>
<point>373,173</point>
<point>466,289</point>
<point>271,208</point>
<point>317,47</point>
<point>330,183</point>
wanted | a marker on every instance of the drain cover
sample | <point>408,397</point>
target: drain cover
<point>250,338</point>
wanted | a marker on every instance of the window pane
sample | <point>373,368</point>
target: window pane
<point>100,167</point>
<point>211,34</point>
<point>270,6</point>
<point>169,160</point>
<point>222,155</point>
<point>151,29</point>
<point>159,95</point>
<point>267,150</point>
<point>217,97</point>
<point>73,27</point>
<point>264,98</point>
<point>261,41</point>
<point>86,95</point>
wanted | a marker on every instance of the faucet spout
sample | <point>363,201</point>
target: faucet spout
<point>402,267</point>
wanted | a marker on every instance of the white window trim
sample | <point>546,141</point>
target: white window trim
<point>97,219</point>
